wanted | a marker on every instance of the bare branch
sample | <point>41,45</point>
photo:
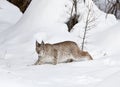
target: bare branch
<point>89,24</point>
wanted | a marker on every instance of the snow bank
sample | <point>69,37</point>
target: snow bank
<point>109,39</point>
<point>9,15</point>
<point>44,20</point>
<point>112,81</point>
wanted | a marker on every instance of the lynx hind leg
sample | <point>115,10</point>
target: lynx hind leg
<point>89,56</point>
<point>86,55</point>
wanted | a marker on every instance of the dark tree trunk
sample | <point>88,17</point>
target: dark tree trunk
<point>73,20</point>
<point>21,4</point>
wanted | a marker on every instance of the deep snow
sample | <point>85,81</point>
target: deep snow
<point>44,20</point>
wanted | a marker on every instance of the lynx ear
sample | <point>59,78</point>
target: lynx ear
<point>42,43</point>
<point>37,44</point>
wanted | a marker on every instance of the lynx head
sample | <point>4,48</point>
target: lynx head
<point>40,48</point>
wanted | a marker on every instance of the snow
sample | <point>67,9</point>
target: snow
<point>45,20</point>
<point>6,15</point>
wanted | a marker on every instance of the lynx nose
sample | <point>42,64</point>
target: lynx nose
<point>39,55</point>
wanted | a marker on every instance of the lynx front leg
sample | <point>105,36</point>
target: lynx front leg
<point>69,60</point>
<point>38,62</point>
<point>55,61</point>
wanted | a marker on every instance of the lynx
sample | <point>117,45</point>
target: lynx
<point>62,52</point>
